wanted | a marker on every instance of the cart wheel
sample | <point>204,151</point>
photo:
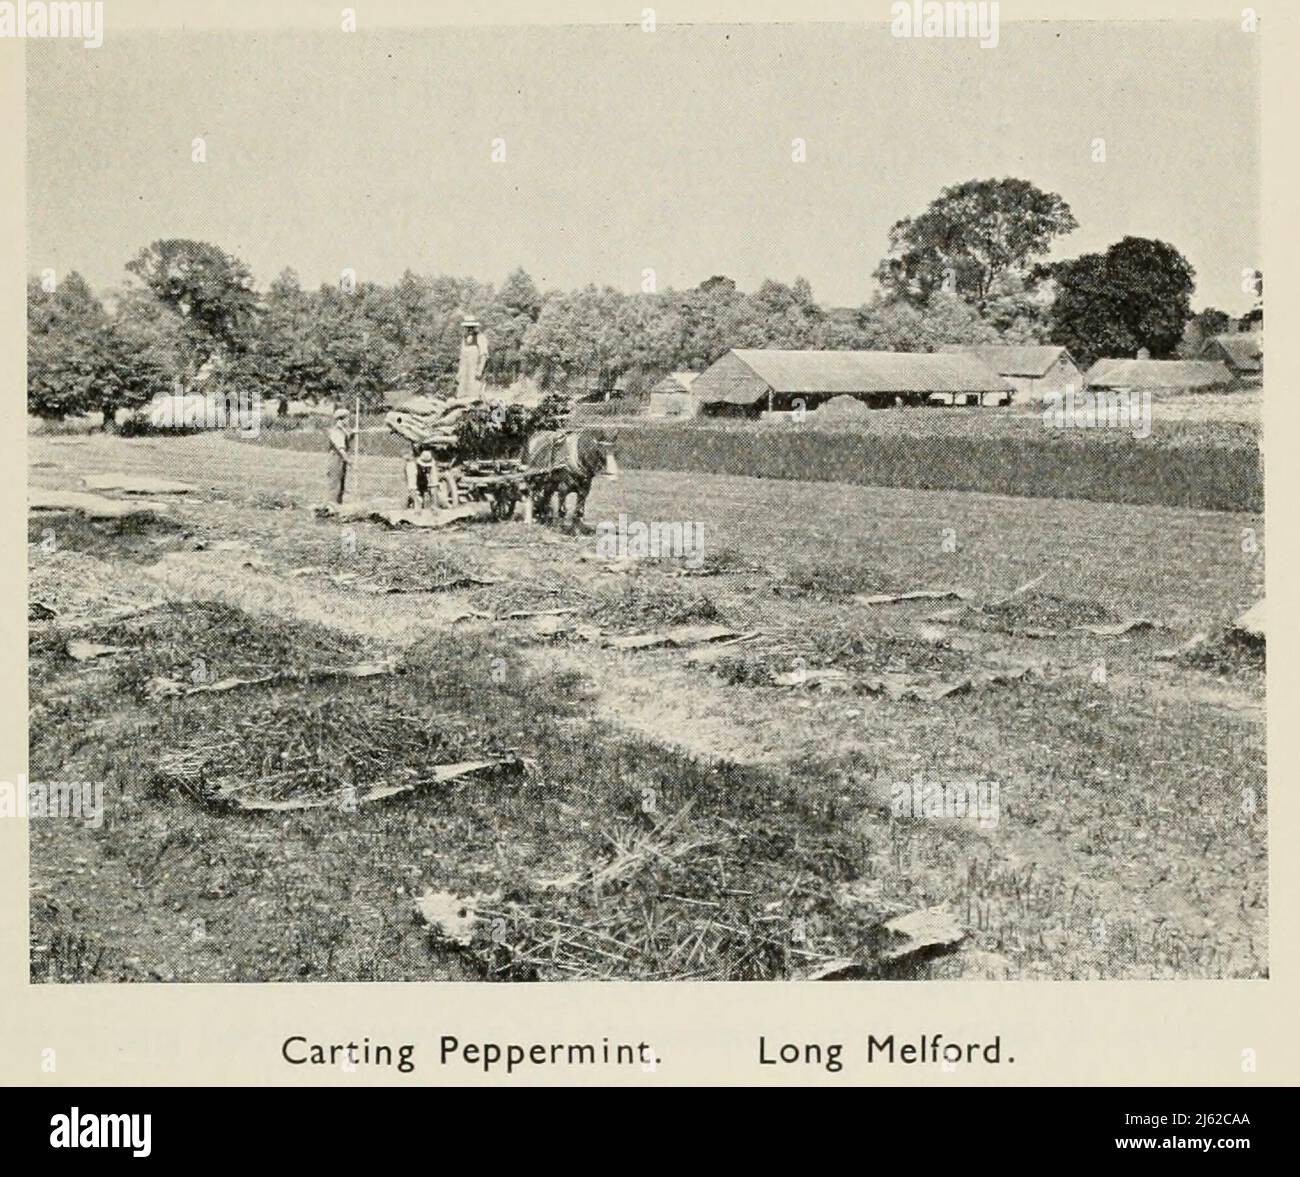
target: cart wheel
<point>448,495</point>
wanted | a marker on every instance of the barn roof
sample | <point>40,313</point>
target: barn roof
<point>829,373</point>
<point>676,382</point>
<point>1017,359</point>
<point>1157,374</point>
<point>1244,350</point>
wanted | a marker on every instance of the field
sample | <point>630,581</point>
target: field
<point>706,812</point>
<point>1202,451</point>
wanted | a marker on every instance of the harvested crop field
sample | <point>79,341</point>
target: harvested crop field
<point>343,752</point>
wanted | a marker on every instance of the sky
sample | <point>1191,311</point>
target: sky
<point>627,151</point>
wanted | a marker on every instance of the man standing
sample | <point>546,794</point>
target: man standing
<point>339,439</point>
<point>473,361</point>
<point>421,477</point>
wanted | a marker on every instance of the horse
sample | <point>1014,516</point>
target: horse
<point>564,463</point>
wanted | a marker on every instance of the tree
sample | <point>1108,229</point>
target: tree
<point>289,360</point>
<point>354,336</point>
<point>427,345</point>
<point>519,295</point>
<point>211,292</point>
<point>1019,307</point>
<point>62,328</point>
<point>154,330</point>
<point>789,315</point>
<point>841,330</point>
<point>894,324</point>
<point>714,316</point>
<point>70,306</point>
<point>507,314</point>
<point>1203,325</point>
<point>971,236</point>
<point>647,331</point>
<point>60,376</point>
<point>1212,321</point>
<point>1135,295</point>
<point>126,375</point>
<point>79,360</point>
<point>279,358</point>
<point>575,336</point>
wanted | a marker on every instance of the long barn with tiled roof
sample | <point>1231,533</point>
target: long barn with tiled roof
<point>750,380</point>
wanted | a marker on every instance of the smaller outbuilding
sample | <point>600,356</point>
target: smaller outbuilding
<point>672,396</point>
<point>1032,370</point>
<point>1242,353</point>
<point>1159,375</point>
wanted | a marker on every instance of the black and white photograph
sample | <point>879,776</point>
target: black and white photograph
<point>645,501</point>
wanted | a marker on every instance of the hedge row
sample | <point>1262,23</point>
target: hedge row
<point>1207,478</point>
<point>1216,478</point>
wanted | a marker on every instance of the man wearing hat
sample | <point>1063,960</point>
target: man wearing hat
<point>473,360</point>
<point>421,477</point>
<point>339,439</point>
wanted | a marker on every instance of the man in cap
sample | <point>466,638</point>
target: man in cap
<point>339,439</point>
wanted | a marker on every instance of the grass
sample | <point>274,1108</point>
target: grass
<point>637,603</point>
<point>626,860</point>
<point>139,538</point>
<point>686,821</point>
<point>1037,611</point>
<point>643,871</point>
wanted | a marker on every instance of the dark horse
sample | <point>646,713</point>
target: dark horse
<point>564,463</point>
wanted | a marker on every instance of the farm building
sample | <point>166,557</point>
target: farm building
<point>747,381</point>
<point>672,396</point>
<point>1033,370</point>
<point>1241,353</point>
<point>595,386</point>
<point>1156,375</point>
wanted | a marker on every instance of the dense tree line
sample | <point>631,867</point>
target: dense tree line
<point>967,270</point>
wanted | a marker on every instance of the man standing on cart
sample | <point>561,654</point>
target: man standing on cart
<point>472,368</point>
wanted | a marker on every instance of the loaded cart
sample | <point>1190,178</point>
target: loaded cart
<point>502,482</point>
<point>447,470</point>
